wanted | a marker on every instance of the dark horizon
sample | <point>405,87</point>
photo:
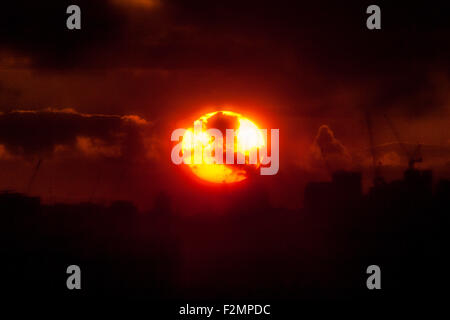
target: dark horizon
<point>250,250</point>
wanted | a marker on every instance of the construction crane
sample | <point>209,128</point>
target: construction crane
<point>33,176</point>
<point>413,157</point>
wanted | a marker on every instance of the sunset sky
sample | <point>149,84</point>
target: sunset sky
<point>97,105</point>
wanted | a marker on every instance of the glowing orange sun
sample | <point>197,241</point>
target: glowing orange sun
<point>248,138</point>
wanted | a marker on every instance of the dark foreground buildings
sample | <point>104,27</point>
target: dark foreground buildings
<point>254,251</point>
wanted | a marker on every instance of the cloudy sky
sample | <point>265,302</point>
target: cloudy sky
<point>96,106</point>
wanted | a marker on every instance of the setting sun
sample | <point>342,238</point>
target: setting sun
<point>247,139</point>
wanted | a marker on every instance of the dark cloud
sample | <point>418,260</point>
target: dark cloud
<point>8,93</point>
<point>41,133</point>
<point>291,50</point>
<point>38,30</point>
<point>173,34</point>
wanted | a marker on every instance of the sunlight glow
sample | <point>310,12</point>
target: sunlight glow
<point>248,138</point>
